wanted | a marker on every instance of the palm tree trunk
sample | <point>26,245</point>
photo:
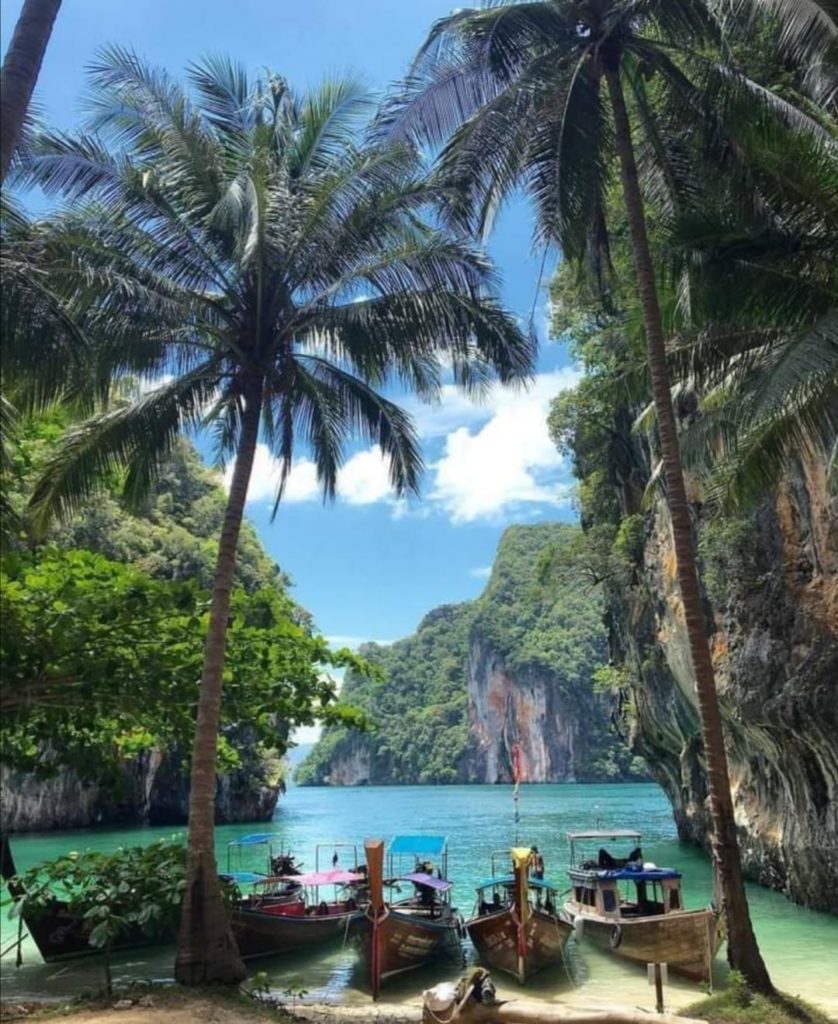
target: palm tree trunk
<point>20,72</point>
<point>743,951</point>
<point>207,950</point>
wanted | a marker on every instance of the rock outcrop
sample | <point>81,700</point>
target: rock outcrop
<point>352,764</point>
<point>772,597</point>
<point>151,790</point>
<point>527,709</point>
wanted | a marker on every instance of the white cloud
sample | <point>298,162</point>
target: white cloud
<point>510,462</point>
<point>454,409</point>
<point>353,642</point>
<point>305,734</point>
<point>483,573</point>
<point>363,480</point>
<point>497,459</point>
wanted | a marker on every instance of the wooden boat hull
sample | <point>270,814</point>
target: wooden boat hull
<point>59,935</point>
<point>686,941</point>
<point>259,933</point>
<point>495,937</point>
<point>404,941</point>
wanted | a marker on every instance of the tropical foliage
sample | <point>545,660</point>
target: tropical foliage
<point>284,216</point>
<point>418,708</point>
<point>171,534</point>
<point>101,629</point>
<point>136,890</point>
<point>102,662</point>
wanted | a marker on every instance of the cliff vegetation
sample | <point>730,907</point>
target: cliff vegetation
<point>528,651</point>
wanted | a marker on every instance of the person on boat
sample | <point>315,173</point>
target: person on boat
<point>536,863</point>
<point>426,896</point>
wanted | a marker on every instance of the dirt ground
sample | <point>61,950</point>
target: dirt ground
<point>210,1011</point>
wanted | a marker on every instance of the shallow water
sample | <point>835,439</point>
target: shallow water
<point>800,946</point>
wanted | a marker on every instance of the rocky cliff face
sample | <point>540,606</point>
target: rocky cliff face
<point>527,709</point>
<point>352,764</point>
<point>772,583</point>
<point>152,790</point>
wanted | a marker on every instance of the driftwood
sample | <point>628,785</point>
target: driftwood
<point>475,1003</point>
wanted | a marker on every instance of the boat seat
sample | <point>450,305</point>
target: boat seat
<point>606,862</point>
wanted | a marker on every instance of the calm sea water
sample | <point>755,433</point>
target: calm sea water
<point>800,946</point>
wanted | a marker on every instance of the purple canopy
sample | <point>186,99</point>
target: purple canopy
<point>420,878</point>
<point>320,878</point>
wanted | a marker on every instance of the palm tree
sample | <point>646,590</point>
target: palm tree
<point>761,350</point>
<point>19,74</point>
<point>238,244</point>
<point>532,94</point>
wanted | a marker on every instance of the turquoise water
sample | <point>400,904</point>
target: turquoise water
<point>800,946</point>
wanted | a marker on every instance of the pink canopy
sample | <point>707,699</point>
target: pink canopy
<point>320,878</point>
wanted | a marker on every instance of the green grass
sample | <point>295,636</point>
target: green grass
<point>738,1005</point>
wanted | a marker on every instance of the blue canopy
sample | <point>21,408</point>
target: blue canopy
<point>254,839</point>
<point>245,877</point>
<point>418,846</point>
<point>533,883</point>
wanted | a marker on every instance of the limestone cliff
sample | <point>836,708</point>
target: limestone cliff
<point>515,666</point>
<point>772,597</point>
<point>505,709</point>
<point>151,790</point>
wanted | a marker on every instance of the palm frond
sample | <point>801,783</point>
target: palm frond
<point>133,439</point>
<point>331,117</point>
<point>353,407</point>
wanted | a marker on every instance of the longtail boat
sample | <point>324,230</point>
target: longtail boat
<point>260,917</point>
<point>519,929</point>
<point>58,932</point>
<point>267,847</point>
<point>265,925</point>
<point>399,936</point>
<point>646,922</point>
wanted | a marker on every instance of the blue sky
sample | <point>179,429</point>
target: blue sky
<point>367,567</point>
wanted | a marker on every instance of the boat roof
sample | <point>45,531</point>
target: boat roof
<point>254,839</point>
<point>533,883</point>
<point>244,877</point>
<point>429,881</point>
<point>628,874</point>
<point>319,878</point>
<point>616,833</point>
<point>419,846</point>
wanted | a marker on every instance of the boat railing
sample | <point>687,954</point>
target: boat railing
<point>335,847</point>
